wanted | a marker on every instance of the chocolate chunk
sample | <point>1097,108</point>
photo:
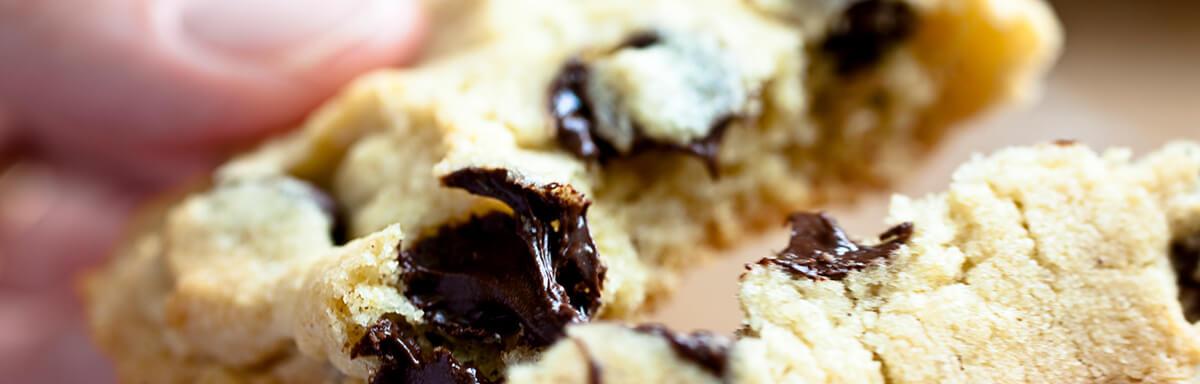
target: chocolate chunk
<point>593,122</point>
<point>819,249</point>
<point>595,374</point>
<point>704,348</point>
<point>866,31</point>
<point>572,112</point>
<point>1185,257</point>
<point>498,276</point>
<point>404,359</point>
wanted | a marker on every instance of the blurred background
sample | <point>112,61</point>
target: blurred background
<point>1129,77</point>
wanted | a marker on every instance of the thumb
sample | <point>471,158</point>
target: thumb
<point>154,90</point>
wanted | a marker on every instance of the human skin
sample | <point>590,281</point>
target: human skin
<point>106,102</point>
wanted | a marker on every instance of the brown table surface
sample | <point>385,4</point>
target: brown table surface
<point>1129,77</point>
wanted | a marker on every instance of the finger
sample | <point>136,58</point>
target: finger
<point>43,340</point>
<point>153,87</point>
<point>9,150</point>
<point>55,224</point>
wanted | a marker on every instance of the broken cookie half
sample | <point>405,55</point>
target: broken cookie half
<point>545,165</point>
<point>1042,264</point>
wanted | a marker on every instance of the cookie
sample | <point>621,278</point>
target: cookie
<point>544,165</point>
<point>1041,264</point>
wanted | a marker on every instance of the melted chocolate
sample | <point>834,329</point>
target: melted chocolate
<point>819,249</point>
<point>576,126</point>
<point>572,112</point>
<point>595,374</point>
<point>404,359</point>
<point>866,31</point>
<point>703,348</point>
<point>498,276</point>
<point>1185,257</point>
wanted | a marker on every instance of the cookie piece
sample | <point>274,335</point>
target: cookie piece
<point>1042,264</point>
<point>591,150</point>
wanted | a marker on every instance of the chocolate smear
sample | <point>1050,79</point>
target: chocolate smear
<point>404,359</point>
<point>498,276</point>
<point>866,31</point>
<point>819,249</point>
<point>703,348</point>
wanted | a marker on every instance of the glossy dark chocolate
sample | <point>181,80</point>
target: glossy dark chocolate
<point>404,359</point>
<point>576,126</point>
<point>703,348</point>
<point>1185,257</point>
<point>819,249</point>
<point>498,276</point>
<point>572,111</point>
<point>866,31</point>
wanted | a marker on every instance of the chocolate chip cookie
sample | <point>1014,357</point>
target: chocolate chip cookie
<point>545,164</point>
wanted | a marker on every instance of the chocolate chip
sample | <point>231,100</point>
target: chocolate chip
<point>572,112</point>
<point>404,359</point>
<point>641,39</point>
<point>499,276</point>
<point>703,348</point>
<point>593,104</point>
<point>595,373</point>
<point>866,31</point>
<point>1185,258</point>
<point>819,249</point>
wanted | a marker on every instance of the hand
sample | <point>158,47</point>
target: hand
<point>104,102</point>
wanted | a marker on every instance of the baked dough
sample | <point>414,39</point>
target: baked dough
<point>602,146</point>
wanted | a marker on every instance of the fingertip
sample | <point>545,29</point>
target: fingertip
<point>388,35</point>
<point>182,83</point>
<point>55,224</point>
<point>306,40</point>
